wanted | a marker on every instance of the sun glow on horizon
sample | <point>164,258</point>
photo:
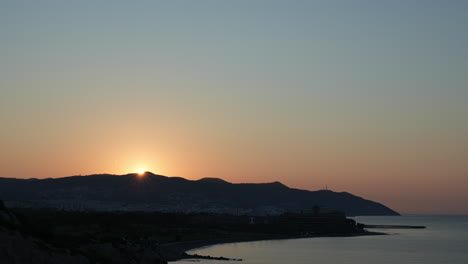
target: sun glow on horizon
<point>141,172</point>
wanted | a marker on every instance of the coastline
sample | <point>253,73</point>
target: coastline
<point>174,251</point>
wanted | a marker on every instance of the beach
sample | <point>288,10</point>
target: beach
<point>178,250</point>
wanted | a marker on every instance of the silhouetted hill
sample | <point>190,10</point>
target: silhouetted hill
<point>153,192</point>
<point>213,180</point>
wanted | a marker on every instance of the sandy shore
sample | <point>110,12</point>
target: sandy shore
<point>177,250</point>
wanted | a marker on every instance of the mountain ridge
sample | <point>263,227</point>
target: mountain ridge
<point>153,192</point>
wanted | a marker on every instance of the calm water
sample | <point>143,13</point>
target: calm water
<point>445,240</point>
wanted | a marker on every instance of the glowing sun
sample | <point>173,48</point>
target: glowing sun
<point>141,172</point>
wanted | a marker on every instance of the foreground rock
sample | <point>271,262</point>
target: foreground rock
<point>7,218</point>
<point>17,247</point>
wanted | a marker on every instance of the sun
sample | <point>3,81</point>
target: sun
<point>141,172</point>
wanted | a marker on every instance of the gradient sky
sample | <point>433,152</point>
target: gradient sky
<point>368,97</point>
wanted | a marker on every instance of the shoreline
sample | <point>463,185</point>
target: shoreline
<point>174,251</point>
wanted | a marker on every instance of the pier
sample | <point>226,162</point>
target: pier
<point>394,226</point>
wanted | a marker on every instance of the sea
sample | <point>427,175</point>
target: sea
<point>444,240</point>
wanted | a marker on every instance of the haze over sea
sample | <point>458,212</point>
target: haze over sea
<point>445,240</point>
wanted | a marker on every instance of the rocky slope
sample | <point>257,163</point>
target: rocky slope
<point>17,246</point>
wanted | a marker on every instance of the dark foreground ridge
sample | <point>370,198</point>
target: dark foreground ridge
<point>56,236</point>
<point>152,192</point>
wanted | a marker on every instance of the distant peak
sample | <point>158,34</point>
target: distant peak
<point>277,183</point>
<point>212,180</point>
<point>143,173</point>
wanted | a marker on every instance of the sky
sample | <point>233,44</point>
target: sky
<point>368,97</point>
